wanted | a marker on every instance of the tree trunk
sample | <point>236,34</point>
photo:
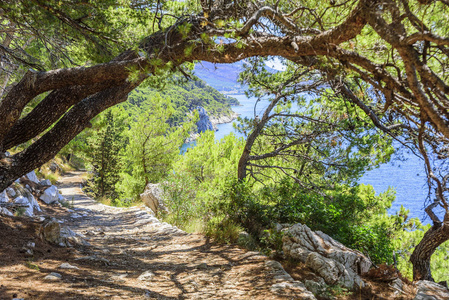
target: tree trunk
<point>435,236</point>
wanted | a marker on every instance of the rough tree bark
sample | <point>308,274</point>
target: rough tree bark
<point>434,237</point>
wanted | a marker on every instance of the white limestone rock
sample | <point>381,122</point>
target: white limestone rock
<point>29,211</point>
<point>32,176</point>
<point>327,257</point>
<point>67,266</point>
<point>53,277</point>
<point>5,211</point>
<point>146,276</point>
<point>69,238</point>
<point>50,195</point>
<point>428,290</point>
<point>33,202</point>
<point>152,197</point>
<point>61,198</point>
<point>332,271</point>
<point>4,197</point>
<point>11,192</point>
<point>45,182</point>
<point>285,285</point>
<point>318,288</point>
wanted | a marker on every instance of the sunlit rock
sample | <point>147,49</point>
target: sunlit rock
<point>50,195</point>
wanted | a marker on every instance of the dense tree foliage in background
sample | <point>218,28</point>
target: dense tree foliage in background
<point>152,145</point>
<point>397,48</point>
<point>185,98</point>
<point>105,144</point>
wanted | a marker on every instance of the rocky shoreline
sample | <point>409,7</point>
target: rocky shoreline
<point>215,120</point>
<point>212,122</point>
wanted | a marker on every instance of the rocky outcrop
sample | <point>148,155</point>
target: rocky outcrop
<point>152,197</point>
<point>223,119</point>
<point>329,259</point>
<point>22,194</point>
<point>204,122</point>
<point>428,290</point>
<point>207,122</point>
<point>284,282</point>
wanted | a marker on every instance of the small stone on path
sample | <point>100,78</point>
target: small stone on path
<point>53,276</point>
<point>146,276</point>
<point>67,266</point>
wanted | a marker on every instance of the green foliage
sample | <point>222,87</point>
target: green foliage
<point>152,146</point>
<point>408,233</point>
<point>312,134</point>
<point>223,230</point>
<point>185,98</point>
<point>197,183</point>
<point>353,216</point>
<point>104,161</point>
<point>179,199</point>
<point>32,266</point>
<point>19,211</point>
<point>211,163</point>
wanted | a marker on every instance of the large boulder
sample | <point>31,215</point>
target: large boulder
<point>50,195</point>
<point>152,197</point>
<point>329,259</point>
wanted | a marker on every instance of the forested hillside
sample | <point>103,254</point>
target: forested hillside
<point>186,97</point>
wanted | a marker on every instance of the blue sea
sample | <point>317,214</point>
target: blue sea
<point>406,176</point>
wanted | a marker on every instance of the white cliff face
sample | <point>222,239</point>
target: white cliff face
<point>209,122</point>
<point>223,119</point>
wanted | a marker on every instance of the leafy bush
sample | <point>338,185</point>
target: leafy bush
<point>354,216</point>
<point>180,200</point>
<point>223,230</point>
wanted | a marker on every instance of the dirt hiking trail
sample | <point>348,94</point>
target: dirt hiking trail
<point>132,255</point>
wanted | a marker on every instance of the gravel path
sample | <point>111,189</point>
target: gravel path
<point>135,256</point>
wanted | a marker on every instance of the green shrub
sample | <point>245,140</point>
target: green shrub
<point>223,230</point>
<point>180,200</point>
<point>354,216</point>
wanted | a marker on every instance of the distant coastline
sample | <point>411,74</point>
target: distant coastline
<point>215,120</point>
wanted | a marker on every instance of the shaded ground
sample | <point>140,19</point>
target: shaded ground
<point>124,244</point>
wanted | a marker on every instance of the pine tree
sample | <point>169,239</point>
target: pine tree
<point>104,159</point>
